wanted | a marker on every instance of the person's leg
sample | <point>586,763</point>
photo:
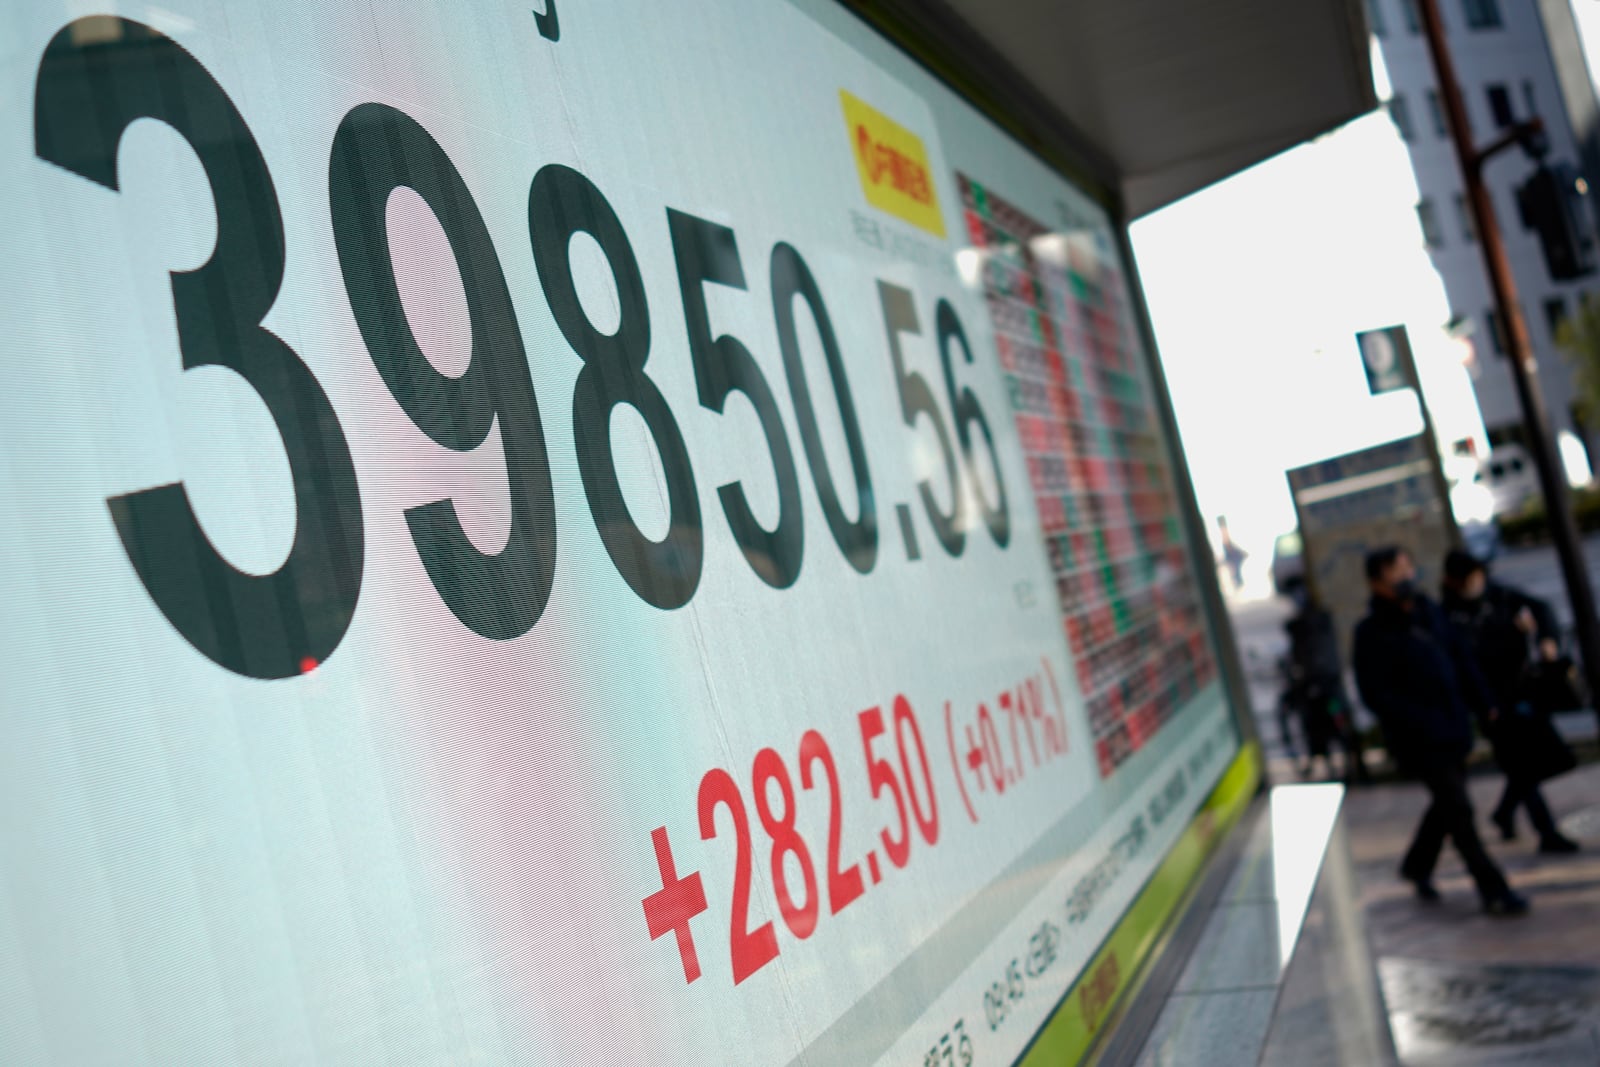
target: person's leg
<point>1319,733</point>
<point>1551,839</point>
<point>1286,729</point>
<point>1544,824</point>
<point>1355,768</point>
<point>1456,811</point>
<point>1505,812</point>
<point>1355,762</point>
<point>1328,712</point>
<point>1426,844</point>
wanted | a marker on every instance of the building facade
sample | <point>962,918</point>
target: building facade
<point>1504,56</point>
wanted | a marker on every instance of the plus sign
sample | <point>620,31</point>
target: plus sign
<point>678,901</point>
<point>974,758</point>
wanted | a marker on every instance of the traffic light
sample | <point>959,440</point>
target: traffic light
<point>1554,203</point>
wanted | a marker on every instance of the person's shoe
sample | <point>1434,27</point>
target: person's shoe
<point>1507,905</point>
<point>1425,889</point>
<point>1507,821</point>
<point>1558,844</point>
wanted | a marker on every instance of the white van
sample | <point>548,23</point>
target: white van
<point>1508,473</point>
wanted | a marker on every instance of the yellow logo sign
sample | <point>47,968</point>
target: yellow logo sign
<point>893,166</point>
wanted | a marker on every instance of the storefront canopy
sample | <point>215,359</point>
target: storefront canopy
<point>1160,98</point>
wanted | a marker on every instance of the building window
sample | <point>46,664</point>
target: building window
<point>1555,313</point>
<point>1400,113</point>
<point>1528,100</point>
<point>1408,12</point>
<point>1436,113</point>
<point>1500,105</point>
<point>1430,223</point>
<point>1375,19</point>
<point>1469,232</point>
<point>1482,14</point>
<point>1497,332</point>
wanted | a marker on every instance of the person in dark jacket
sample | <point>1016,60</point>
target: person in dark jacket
<point>1316,685</point>
<point>1417,676</point>
<point>1500,623</point>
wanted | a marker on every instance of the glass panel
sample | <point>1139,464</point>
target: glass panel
<point>417,652</point>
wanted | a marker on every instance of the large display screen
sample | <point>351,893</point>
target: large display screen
<point>576,534</point>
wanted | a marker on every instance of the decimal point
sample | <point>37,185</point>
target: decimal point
<point>872,868</point>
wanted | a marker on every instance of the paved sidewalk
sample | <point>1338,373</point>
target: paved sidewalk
<point>1462,988</point>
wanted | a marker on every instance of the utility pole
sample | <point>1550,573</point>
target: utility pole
<point>1524,369</point>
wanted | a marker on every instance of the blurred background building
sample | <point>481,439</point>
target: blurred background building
<point>1506,56</point>
<point>1258,285</point>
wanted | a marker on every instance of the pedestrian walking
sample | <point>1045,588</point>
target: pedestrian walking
<point>1514,638</point>
<point>1232,556</point>
<point>1316,687</point>
<point>1417,676</point>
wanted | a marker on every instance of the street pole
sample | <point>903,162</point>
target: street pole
<point>1524,369</point>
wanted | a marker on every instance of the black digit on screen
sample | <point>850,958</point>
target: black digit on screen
<point>792,280</point>
<point>916,400</point>
<point>708,254</point>
<point>968,412</point>
<point>376,151</point>
<point>100,75</point>
<point>548,21</point>
<point>561,204</point>
<point>97,77</point>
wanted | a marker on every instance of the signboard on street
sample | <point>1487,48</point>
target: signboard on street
<point>1387,359</point>
<point>632,533</point>
<point>1361,501</point>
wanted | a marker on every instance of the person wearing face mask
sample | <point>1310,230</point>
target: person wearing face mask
<point>1501,623</point>
<point>1417,675</point>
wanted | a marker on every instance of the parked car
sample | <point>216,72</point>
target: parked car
<point>1288,561</point>
<point>1509,476</point>
<point>1474,507</point>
